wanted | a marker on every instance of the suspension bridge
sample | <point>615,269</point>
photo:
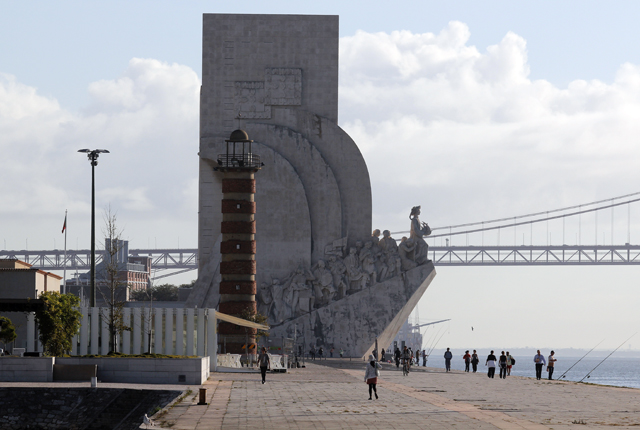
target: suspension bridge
<point>596,233</point>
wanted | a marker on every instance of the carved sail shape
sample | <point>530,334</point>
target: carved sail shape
<point>354,322</point>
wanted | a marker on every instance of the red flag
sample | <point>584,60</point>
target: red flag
<point>64,226</point>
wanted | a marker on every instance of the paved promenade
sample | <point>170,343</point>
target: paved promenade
<point>334,396</point>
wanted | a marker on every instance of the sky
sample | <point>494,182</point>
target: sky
<point>474,110</point>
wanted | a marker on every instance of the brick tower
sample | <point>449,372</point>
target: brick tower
<point>238,246</point>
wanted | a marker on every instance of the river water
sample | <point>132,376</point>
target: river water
<point>617,371</point>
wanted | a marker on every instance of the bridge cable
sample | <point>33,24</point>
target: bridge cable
<point>535,214</point>
<point>515,224</point>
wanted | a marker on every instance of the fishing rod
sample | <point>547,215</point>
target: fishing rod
<point>566,371</point>
<point>436,343</point>
<point>427,325</point>
<point>588,374</point>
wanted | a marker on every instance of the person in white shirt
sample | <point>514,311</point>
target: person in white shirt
<point>491,363</point>
<point>371,375</point>
<point>539,360</point>
<point>550,364</point>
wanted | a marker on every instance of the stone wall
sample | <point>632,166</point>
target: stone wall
<point>26,369</point>
<point>78,408</point>
<point>189,371</point>
<point>192,371</point>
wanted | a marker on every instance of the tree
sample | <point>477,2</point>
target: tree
<point>189,285</point>
<point>160,293</point>
<point>7,331</point>
<point>114,289</point>
<point>256,317</point>
<point>58,322</point>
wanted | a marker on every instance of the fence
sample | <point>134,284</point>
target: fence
<point>170,331</point>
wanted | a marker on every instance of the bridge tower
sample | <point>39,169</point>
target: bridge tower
<point>238,246</point>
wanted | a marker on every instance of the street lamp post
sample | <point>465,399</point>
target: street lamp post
<point>92,155</point>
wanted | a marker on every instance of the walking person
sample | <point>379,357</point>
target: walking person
<point>510,362</point>
<point>539,360</point>
<point>320,353</point>
<point>265,363</point>
<point>474,361</point>
<point>371,375</point>
<point>331,353</point>
<point>503,366</point>
<point>550,364</point>
<point>382,355</point>
<point>467,360</point>
<point>397,355</point>
<point>312,353</point>
<point>447,359</point>
<point>491,364</point>
<point>424,358</point>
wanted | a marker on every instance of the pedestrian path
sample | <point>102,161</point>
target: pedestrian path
<point>332,394</point>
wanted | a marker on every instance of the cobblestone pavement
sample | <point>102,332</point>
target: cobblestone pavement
<point>334,396</point>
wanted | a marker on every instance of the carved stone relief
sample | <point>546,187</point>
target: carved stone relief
<point>250,100</point>
<point>340,274</point>
<point>281,87</point>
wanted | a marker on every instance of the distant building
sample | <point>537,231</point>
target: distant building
<point>133,274</point>
<point>20,280</point>
<point>410,334</point>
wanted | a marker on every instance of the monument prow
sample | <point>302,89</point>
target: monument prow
<point>354,322</point>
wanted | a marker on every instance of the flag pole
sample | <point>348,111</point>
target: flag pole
<point>64,271</point>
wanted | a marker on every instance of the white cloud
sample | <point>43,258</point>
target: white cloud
<point>470,136</point>
<point>147,118</point>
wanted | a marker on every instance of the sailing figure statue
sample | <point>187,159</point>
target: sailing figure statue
<point>418,231</point>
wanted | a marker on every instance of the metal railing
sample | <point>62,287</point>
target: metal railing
<point>247,160</point>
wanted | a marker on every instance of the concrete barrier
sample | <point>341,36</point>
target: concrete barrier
<point>188,371</point>
<point>26,369</point>
<point>229,360</point>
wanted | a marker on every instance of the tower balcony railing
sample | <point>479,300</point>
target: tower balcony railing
<point>239,161</point>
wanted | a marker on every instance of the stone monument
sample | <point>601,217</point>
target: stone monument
<point>276,77</point>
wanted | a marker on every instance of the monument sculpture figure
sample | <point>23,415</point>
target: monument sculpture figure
<point>300,291</point>
<point>264,299</point>
<point>387,242</point>
<point>407,253</point>
<point>323,284</point>
<point>338,271</point>
<point>279,309</point>
<point>418,232</point>
<point>368,264</point>
<point>357,277</point>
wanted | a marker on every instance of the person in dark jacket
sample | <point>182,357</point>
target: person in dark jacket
<point>503,365</point>
<point>265,363</point>
<point>447,359</point>
<point>474,361</point>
